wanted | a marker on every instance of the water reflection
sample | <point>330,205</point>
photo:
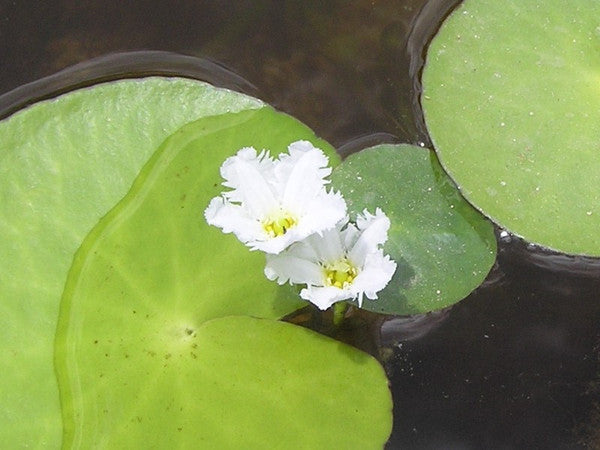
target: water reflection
<point>522,252</point>
<point>123,65</point>
<point>395,331</point>
<point>518,352</point>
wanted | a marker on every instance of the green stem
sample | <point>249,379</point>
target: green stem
<point>339,309</point>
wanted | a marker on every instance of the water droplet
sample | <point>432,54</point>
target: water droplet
<point>505,236</point>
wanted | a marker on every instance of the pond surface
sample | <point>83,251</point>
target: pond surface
<point>514,365</point>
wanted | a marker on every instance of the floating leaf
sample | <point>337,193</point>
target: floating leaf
<point>159,378</point>
<point>156,243</point>
<point>63,164</point>
<point>153,269</point>
<point>443,247</point>
<point>510,96</point>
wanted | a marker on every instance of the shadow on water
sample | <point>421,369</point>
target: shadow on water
<point>123,65</point>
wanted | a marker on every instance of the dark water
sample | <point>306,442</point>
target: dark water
<point>514,365</point>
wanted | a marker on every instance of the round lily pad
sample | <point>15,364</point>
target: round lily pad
<point>139,358</point>
<point>63,164</point>
<point>443,247</point>
<point>156,243</point>
<point>510,97</point>
<point>159,378</point>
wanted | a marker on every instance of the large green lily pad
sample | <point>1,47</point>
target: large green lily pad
<point>138,357</point>
<point>156,243</point>
<point>63,164</point>
<point>510,96</point>
<point>159,379</point>
<point>443,247</point>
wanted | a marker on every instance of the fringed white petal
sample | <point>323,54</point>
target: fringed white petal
<point>271,245</point>
<point>375,275</point>
<point>292,268</point>
<point>374,231</point>
<point>303,172</point>
<point>350,235</point>
<point>322,212</point>
<point>248,175</point>
<point>324,296</point>
<point>232,219</point>
<point>327,246</point>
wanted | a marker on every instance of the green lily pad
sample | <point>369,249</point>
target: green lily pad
<point>510,97</point>
<point>154,268</point>
<point>443,247</point>
<point>156,242</point>
<point>63,164</point>
<point>233,382</point>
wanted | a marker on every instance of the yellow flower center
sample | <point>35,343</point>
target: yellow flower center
<point>279,226</point>
<point>340,274</point>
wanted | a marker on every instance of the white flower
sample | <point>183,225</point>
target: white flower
<point>343,263</point>
<point>275,203</point>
